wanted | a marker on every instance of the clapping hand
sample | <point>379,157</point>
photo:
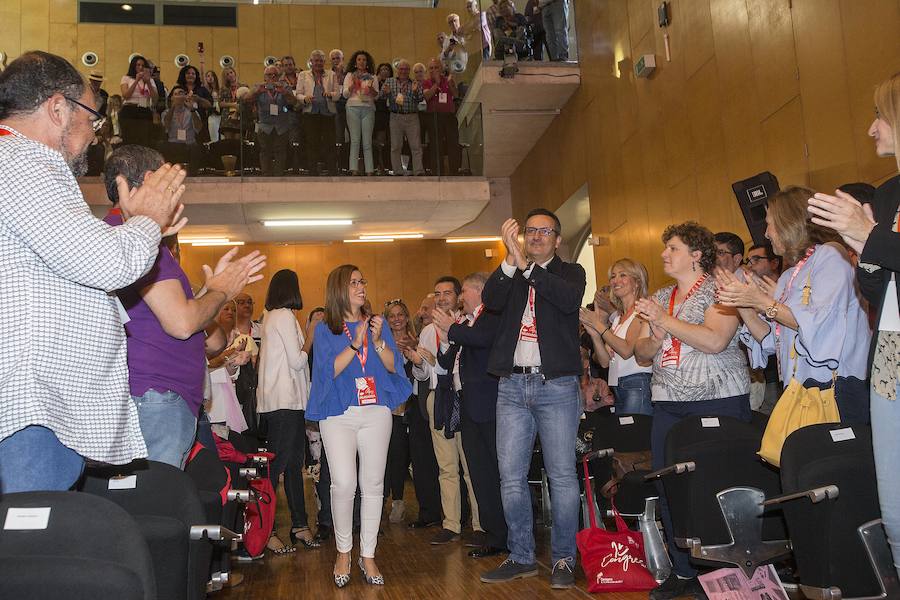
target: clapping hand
<point>515,255</point>
<point>313,323</point>
<point>158,196</point>
<point>846,215</point>
<point>602,301</point>
<point>178,222</point>
<point>731,291</point>
<point>230,276</point>
<point>376,323</point>
<point>594,320</point>
<point>442,320</point>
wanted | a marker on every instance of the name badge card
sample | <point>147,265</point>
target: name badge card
<point>182,135</point>
<point>273,110</point>
<point>442,97</point>
<point>399,99</point>
<point>365,391</point>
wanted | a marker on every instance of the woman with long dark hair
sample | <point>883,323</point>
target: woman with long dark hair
<point>358,380</point>
<point>139,96</point>
<point>198,97</point>
<point>360,90</point>
<point>282,395</point>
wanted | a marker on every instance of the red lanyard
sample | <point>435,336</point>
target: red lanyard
<point>5,132</point>
<point>363,353</point>
<point>689,294</point>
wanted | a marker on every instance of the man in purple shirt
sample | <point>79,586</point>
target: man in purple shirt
<point>165,326</point>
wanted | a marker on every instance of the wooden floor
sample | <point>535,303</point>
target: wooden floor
<point>413,570</point>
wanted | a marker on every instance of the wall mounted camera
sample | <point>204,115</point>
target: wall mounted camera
<point>182,60</point>
<point>226,61</point>
<point>269,61</point>
<point>90,59</point>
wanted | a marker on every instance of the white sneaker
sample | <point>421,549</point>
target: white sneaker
<point>398,510</point>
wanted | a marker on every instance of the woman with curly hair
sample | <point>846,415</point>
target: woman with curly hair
<point>360,90</point>
<point>698,365</point>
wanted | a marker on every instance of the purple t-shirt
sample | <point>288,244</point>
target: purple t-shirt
<point>157,360</point>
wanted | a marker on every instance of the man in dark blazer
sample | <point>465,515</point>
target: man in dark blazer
<point>536,355</point>
<point>470,342</point>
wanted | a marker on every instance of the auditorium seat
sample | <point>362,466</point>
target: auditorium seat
<point>165,503</point>
<point>713,470</point>
<point>90,548</point>
<point>623,433</point>
<point>831,505</point>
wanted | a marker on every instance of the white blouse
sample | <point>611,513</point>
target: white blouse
<point>283,365</point>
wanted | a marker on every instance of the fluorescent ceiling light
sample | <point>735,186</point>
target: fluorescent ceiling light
<point>472,239</point>
<point>225,243</point>
<point>398,236</point>
<point>200,240</point>
<point>306,222</point>
<point>126,7</point>
<point>373,240</point>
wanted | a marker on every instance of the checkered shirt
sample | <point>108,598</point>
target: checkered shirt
<point>63,363</point>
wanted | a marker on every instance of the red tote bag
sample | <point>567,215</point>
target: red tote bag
<point>613,561</point>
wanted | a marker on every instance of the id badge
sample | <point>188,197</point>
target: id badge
<point>365,391</point>
<point>671,356</point>
<point>442,97</point>
<point>182,135</point>
<point>399,99</point>
<point>273,110</point>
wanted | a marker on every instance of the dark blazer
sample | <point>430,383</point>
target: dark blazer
<point>882,249</point>
<point>559,289</point>
<point>479,388</point>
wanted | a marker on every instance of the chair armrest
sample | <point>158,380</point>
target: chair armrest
<point>815,495</point>
<point>677,469</point>
<point>213,532</point>
<point>598,454</point>
<point>243,496</point>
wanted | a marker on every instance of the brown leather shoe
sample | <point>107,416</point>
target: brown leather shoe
<point>234,579</point>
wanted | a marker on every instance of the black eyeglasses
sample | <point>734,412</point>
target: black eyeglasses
<point>752,260</point>
<point>98,122</point>
<point>543,231</point>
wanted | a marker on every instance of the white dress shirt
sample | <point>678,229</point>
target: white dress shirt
<point>64,367</point>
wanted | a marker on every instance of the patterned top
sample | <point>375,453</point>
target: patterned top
<point>395,86</point>
<point>65,369</point>
<point>698,375</point>
<point>886,362</point>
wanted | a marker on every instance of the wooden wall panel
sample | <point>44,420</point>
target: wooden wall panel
<point>784,146</point>
<point>11,28</point>
<point>63,11</point>
<point>91,38</point>
<point>302,17</point>
<point>277,30</point>
<point>146,43</point>
<point>328,28</point>
<point>775,65</point>
<point>404,269</point>
<point>64,42</point>
<point>35,25</point>
<point>119,42</point>
<point>698,44</point>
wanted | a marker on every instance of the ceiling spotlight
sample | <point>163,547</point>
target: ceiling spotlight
<point>472,239</point>
<point>127,7</point>
<point>306,222</point>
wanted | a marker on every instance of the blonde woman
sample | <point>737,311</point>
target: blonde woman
<point>874,232</point>
<point>615,335</point>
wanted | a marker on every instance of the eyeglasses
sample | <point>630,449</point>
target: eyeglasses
<point>542,231</point>
<point>97,122</point>
<point>357,283</point>
<point>752,260</point>
<point>390,303</point>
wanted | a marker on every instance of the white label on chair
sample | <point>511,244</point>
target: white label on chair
<point>709,422</point>
<point>23,519</point>
<point>123,483</point>
<point>626,420</point>
<point>842,435</point>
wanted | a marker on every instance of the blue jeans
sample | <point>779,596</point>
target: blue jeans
<point>361,121</point>
<point>34,460</point>
<point>168,426</point>
<point>886,443</point>
<point>556,26</point>
<point>527,405</point>
<point>633,394</point>
<point>665,415</point>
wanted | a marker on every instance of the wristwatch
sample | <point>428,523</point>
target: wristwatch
<point>379,349</point>
<point>772,311</point>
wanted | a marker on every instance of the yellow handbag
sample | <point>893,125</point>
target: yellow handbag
<point>797,407</point>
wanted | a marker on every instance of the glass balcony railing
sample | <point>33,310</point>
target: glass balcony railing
<point>232,143</point>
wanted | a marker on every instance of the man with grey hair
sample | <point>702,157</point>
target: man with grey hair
<point>166,322</point>
<point>316,92</point>
<point>403,96</point>
<point>64,395</point>
<point>468,343</point>
<point>274,102</point>
<point>336,57</point>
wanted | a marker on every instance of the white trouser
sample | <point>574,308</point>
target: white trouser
<point>363,431</point>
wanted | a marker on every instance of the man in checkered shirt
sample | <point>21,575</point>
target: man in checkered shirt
<point>63,376</point>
